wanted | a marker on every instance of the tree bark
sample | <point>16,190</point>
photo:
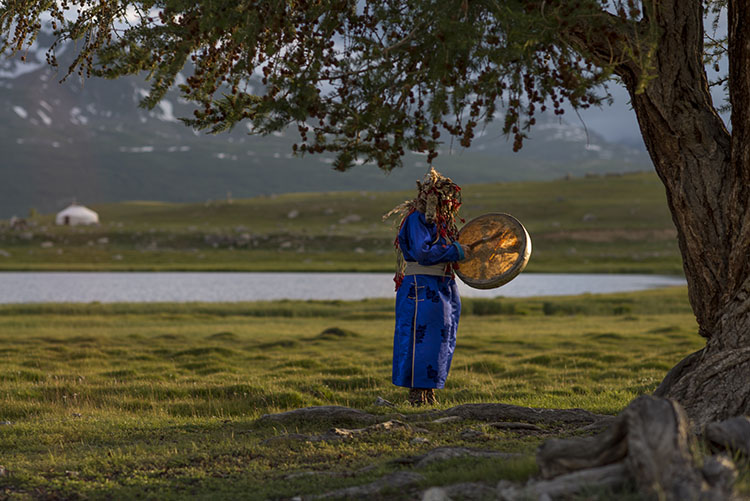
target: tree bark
<point>706,174</point>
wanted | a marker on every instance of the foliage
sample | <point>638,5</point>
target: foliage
<point>365,79</point>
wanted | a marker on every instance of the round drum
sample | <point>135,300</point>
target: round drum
<point>498,248</point>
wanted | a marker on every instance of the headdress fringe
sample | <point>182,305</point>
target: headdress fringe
<point>439,198</point>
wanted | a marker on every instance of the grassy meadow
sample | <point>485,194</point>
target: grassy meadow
<point>594,224</point>
<point>162,401</point>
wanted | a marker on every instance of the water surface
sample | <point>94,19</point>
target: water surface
<point>111,287</point>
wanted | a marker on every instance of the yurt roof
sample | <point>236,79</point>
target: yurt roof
<point>77,210</point>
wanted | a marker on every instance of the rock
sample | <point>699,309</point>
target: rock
<point>473,434</point>
<point>445,453</point>
<point>3,471</point>
<point>435,494</point>
<point>47,244</point>
<point>381,402</point>
<point>102,240</point>
<point>448,419</point>
<point>470,490</point>
<point>293,214</point>
<point>4,253</point>
<point>419,441</point>
<point>507,412</point>
<point>505,425</point>
<point>310,474</point>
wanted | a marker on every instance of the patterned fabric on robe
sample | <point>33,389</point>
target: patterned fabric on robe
<point>427,309</point>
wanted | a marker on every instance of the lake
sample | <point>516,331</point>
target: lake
<point>112,287</point>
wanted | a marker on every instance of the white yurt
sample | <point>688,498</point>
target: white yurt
<point>76,214</point>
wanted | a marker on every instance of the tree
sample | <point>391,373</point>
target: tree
<point>369,79</point>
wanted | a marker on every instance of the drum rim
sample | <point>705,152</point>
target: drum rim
<point>515,269</point>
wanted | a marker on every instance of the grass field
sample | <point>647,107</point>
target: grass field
<point>162,401</point>
<point>593,224</point>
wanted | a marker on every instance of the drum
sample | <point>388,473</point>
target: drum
<point>498,249</point>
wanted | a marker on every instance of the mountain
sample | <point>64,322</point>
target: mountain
<point>88,140</point>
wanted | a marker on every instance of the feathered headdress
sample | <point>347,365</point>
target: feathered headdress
<point>439,199</point>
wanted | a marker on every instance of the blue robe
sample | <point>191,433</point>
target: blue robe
<point>427,309</point>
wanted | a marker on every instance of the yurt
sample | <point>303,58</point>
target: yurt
<point>76,214</point>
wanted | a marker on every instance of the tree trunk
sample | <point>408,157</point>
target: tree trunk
<point>706,173</point>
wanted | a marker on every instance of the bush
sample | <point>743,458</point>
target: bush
<point>481,307</point>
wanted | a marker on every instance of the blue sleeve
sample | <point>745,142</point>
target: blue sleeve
<point>461,254</point>
<point>422,246</point>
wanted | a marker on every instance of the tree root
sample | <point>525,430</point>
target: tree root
<point>732,435</point>
<point>649,444</point>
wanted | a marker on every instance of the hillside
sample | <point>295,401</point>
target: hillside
<point>88,140</point>
<point>597,223</point>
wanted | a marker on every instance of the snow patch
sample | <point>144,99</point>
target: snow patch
<point>44,104</point>
<point>225,156</point>
<point>20,68</point>
<point>564,132</point>
<point>173,149</point>
<point>136,149</point>
<point>139,94</point>
<point>45,118</point>
<point>77,117</point>
<point>20,112</point>
<point>166,112</point>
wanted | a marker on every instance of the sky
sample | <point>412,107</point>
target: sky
<point>615,122</point>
